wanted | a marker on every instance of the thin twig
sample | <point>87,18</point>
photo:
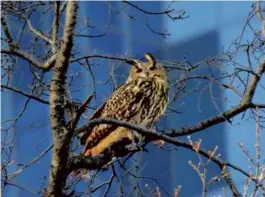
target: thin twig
<point>25,94</point>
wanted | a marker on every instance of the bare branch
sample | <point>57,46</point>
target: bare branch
<point>55,27</point>
<point>246,103</point>
<point>229,86</point>
<point>61,137</point>
<point>163,34</point>
<point>243,78</point>
<point>153,135</point>
<point>25,94</point>
<point>90,163</point>
<point>261,17</point>
<point>7,32</point>
<point>90,36</point>
<point>100,56</point>
<point>248,96</point>
<point>14,50</point>
<point>148,12</point>
<point>77,114</point>
<point>30,58</point>
<point>38,33</point>
<point>18,186</point>
<point>82,108</point>
<point>31,162</point>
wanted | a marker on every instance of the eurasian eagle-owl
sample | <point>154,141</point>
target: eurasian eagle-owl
<point>141,100</point>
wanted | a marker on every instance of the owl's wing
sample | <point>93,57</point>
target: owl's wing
<point>124,104</point>
<point>85,131</point>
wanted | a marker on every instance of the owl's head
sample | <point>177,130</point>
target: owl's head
<point>147,70</point>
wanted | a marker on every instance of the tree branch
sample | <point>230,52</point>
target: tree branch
<point>55,26</point>
<point>91,163</point>
<point>100,56</point>
<point>14,50</point>
<point>246,103</point>
<point>148,12</point>
<point>179,15</point>
<point>30,58</point>
<point>260,16</point>
<point>7,32</point>
<point>38,33</point>
<point>31,162</point>
<point>25,94</point>
<point>249,93</point>
<point>90,36</point>
<point>61,136</point>
<point>153,135</point>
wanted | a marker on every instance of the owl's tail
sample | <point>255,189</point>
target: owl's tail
<point>117,139</point>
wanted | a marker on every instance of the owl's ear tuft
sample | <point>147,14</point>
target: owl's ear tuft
<point>129,61</point>
<point>150,59</point>
<point>134,63</point>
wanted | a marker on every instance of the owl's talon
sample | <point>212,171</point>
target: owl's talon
<point>159,143</point>
<point>132,147</point>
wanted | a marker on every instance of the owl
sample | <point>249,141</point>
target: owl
<point>141,100</point>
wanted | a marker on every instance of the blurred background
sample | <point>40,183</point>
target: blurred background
<point>209,28</point>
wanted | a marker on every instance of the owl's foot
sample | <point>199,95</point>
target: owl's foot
<point>159,143</point>
<point>86,176</point>
<point>82,174</point>
<point>132,147</point>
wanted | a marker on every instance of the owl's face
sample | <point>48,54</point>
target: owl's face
<point>147,70</point>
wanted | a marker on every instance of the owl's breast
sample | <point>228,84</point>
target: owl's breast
<point>153,104</point>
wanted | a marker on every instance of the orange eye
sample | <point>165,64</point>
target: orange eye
<point>139,70</point>
<point>152,68</point>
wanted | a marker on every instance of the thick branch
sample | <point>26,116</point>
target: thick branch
<point>153,135</point>
<point>91,163</point>
<point>60,156</point>
<point>250,91</point>
<point>55,27</point>
<point>226,116</point>
<point>260,16</point>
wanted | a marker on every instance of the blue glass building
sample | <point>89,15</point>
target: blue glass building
<point>209,27</point>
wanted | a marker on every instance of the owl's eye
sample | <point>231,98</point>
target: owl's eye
<point>139,70</point>
<point>152,68</point>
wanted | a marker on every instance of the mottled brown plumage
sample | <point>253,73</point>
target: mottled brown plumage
<point>141,100</point>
